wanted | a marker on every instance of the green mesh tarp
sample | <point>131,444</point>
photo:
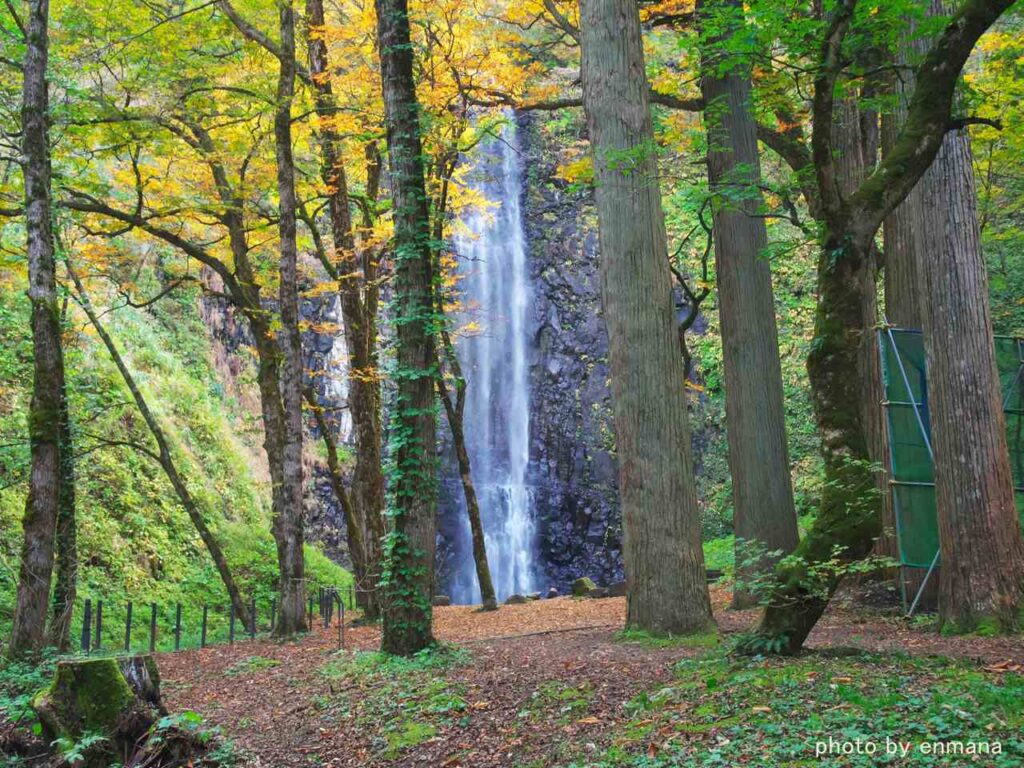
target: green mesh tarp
<point>911,467</point>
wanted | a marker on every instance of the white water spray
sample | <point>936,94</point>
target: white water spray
<point>496,295</point>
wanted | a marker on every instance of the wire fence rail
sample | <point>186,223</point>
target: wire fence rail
<point>132,627</point>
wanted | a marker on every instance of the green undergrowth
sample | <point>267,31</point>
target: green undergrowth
<point>405,701</point>
<point>135,541</point>
<point>647,639</point>
<point>838,710</point>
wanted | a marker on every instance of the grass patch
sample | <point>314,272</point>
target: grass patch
<point>251,664</point>
<point>654,640</point>
<point>722,711</point>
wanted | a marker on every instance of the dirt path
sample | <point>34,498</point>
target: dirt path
<point>541,680</point>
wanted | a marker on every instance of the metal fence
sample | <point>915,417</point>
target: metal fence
<point>133,627</point>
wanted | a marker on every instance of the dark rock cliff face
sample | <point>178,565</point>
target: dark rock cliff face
<point>572,462</point>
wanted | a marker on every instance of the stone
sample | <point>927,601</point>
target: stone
<point>583,586</point>
<point>598,592</point>
<point>552,593</point>
<point>441,601</point>
<point>618,589</point>
<point>533,596</point>
<point>516,600</point>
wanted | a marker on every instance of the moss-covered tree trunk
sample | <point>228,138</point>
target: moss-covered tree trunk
<point>65,585</point>
<point>28,631</point>
<point>764,513</point>
<point>662,551</point>
<point>409,550</point>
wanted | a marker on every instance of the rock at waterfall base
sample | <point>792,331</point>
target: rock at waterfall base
<point>583,586</point>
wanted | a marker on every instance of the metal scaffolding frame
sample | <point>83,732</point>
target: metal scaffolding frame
<point>920,409</point>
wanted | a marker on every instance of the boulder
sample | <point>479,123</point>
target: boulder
<point>552,593</point>
<point>516,600</point>
<point>583,586</point>
<point>618,589</point>
<point>533,596</point>
<point>598,592</point>
<point>441,600</point>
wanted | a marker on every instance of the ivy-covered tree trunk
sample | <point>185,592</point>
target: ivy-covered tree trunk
<point>357,294</point>
<point>65,585</point>
<point>662,551</point>
<point>288,525</point>
<point>28,631</point>
<point>982,553</point>
<point>409,549</point>
<point>764,513</point>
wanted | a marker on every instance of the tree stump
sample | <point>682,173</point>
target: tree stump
<point>116,698</point>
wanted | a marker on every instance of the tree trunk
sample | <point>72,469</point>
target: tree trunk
<point>288,517</point>
<point>456,422</point>
<point>356,545</point>
<point>409,550</point>
<point>849,516</point>
<point>856,153</point>
<point>982,553</point>
<point>764,512</point>
<point>358,299</point>
<point>66,549</point>
<point>661,527</point>
<point>163,455</point>
<point>28,632</point>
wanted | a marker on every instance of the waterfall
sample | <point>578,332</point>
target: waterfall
<point>495,291</point>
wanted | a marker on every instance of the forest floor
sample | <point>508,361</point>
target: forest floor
<point>555,683</point>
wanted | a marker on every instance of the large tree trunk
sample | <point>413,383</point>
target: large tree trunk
<point>764,512</point>
<point>288,518</point>
<point>358,299</point>
<point>66,546</point>
<point>409,550</point>
<point>982,572</point>
<point>661,527</point>
<point>455,410</point>
<point>28,632</point>
<point>163,455</point>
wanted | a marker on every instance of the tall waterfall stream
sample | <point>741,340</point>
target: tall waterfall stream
<point>496,298</point>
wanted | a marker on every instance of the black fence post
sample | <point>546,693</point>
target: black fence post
<point>99,625</point>
<point>351,598</point>
<point>177,627</point>
<point>86,625</point>
<point>310,622</point>
<point>231,623</point>
<point>152,627</point>
<point>128,629</point>
<point>202,632</point>
<point>252,617</point>
<point>273,612</point>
